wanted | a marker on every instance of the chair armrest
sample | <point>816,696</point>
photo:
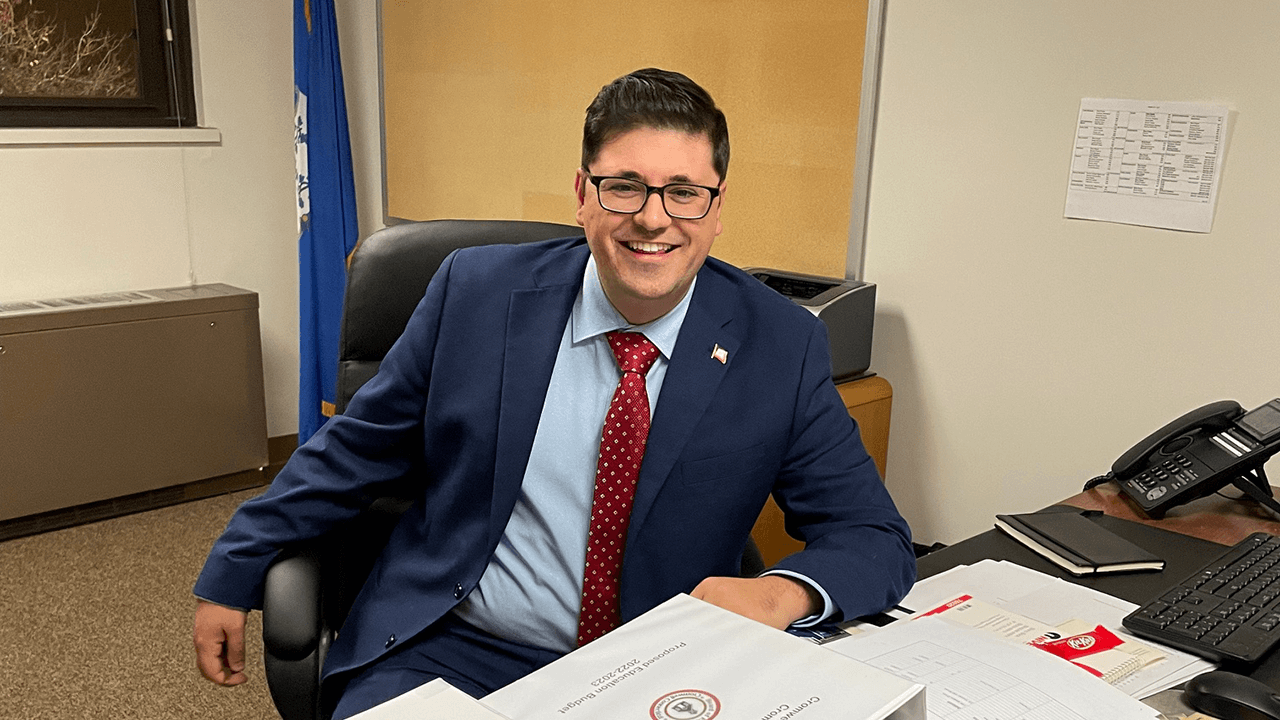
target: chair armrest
<point>306,595</point>
<point>294,637</point>
<point>291,620</point>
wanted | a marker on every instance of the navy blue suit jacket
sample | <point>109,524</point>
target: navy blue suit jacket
<point>459,396</point>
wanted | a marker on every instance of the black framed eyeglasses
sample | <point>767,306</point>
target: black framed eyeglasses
<point>627,196</point>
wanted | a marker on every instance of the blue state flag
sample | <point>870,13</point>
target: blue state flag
<point>327,228</point>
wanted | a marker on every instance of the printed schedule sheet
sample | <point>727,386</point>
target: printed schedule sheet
<point>1147,163</point>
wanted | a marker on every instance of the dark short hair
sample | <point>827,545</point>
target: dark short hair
<point>659,99</point>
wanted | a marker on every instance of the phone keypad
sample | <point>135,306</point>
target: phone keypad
<point>1169,476</point>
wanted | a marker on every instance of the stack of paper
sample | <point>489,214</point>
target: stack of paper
<point>1092,648</point>
<point>970,673</point>
<point>1054,602</point>
<point>688,660</point>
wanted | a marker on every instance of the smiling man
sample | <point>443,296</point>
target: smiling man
<point>648,253</point>
<point>597,422</point>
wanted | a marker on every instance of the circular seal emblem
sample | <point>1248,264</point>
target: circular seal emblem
<point>685,705</point>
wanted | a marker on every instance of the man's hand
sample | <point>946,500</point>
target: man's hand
<point>219,638</point>
<point>774,600</point>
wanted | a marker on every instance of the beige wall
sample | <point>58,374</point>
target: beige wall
<point>1028,351</point>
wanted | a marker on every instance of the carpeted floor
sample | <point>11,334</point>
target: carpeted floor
<point>95,621</point>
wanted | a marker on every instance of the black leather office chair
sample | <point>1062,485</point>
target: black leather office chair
<point>309,589</point>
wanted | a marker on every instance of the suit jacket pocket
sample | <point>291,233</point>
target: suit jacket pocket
<point>725,467</point>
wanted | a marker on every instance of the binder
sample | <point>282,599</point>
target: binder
<point>690,660</point>
<point>1077,544</point>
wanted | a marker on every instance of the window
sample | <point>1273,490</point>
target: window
<point>95,63</point>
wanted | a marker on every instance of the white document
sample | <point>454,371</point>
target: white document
<point>1111,664</point>
<point>689,660</point>
<point>972,612</point>
<point>995,581</point>
<point>436,699</point>
<point>1147,163</point>
<point>1052,601</point>
<point>971,675</point>
<point>1062,600</point>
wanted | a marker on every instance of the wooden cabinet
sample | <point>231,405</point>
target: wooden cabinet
<point>869,401</point>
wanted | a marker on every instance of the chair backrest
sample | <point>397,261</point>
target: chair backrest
<point>388,276</point>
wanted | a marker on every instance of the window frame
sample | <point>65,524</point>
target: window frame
<point>165,79</point>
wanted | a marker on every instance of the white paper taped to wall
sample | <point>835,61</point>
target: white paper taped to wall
<point>1148,163</point>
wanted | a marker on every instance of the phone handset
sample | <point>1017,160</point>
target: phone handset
<point>1215,416</point>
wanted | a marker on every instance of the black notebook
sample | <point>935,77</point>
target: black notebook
<point>1076,543</point>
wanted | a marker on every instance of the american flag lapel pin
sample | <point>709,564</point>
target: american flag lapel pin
<point>720,354</point>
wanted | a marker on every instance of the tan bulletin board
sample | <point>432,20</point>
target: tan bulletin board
<point>484,101</point>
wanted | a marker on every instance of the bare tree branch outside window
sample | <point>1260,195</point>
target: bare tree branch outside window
<point>96,63</point>
<point>64,48</point>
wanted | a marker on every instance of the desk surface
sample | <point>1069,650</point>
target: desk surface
<point>1216,518</point>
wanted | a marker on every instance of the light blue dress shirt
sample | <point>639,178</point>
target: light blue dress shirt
<point>531,591</point>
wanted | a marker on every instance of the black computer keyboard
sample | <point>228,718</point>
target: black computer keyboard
<point>1229,611</point>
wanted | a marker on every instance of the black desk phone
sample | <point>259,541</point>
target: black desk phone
<point>1199,453</point>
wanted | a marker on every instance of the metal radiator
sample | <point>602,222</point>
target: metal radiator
<point>108,395</point>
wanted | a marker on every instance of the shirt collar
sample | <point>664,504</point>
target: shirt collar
<point>593,315</point>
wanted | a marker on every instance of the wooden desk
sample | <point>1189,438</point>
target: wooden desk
<point>869,401</point>
<point>1214,518</point>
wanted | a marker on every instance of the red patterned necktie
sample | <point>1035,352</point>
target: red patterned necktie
<point>622,441</point>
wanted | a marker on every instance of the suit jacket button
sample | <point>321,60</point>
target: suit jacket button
<point>457,592</point>
<point>391,641</point>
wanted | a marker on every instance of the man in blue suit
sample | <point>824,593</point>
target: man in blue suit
<point>497,393</point>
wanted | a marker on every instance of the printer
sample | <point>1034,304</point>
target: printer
<point>846,307</point>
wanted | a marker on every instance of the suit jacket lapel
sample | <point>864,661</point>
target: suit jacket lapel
<point>693,377</point>
<point>536,317</point>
